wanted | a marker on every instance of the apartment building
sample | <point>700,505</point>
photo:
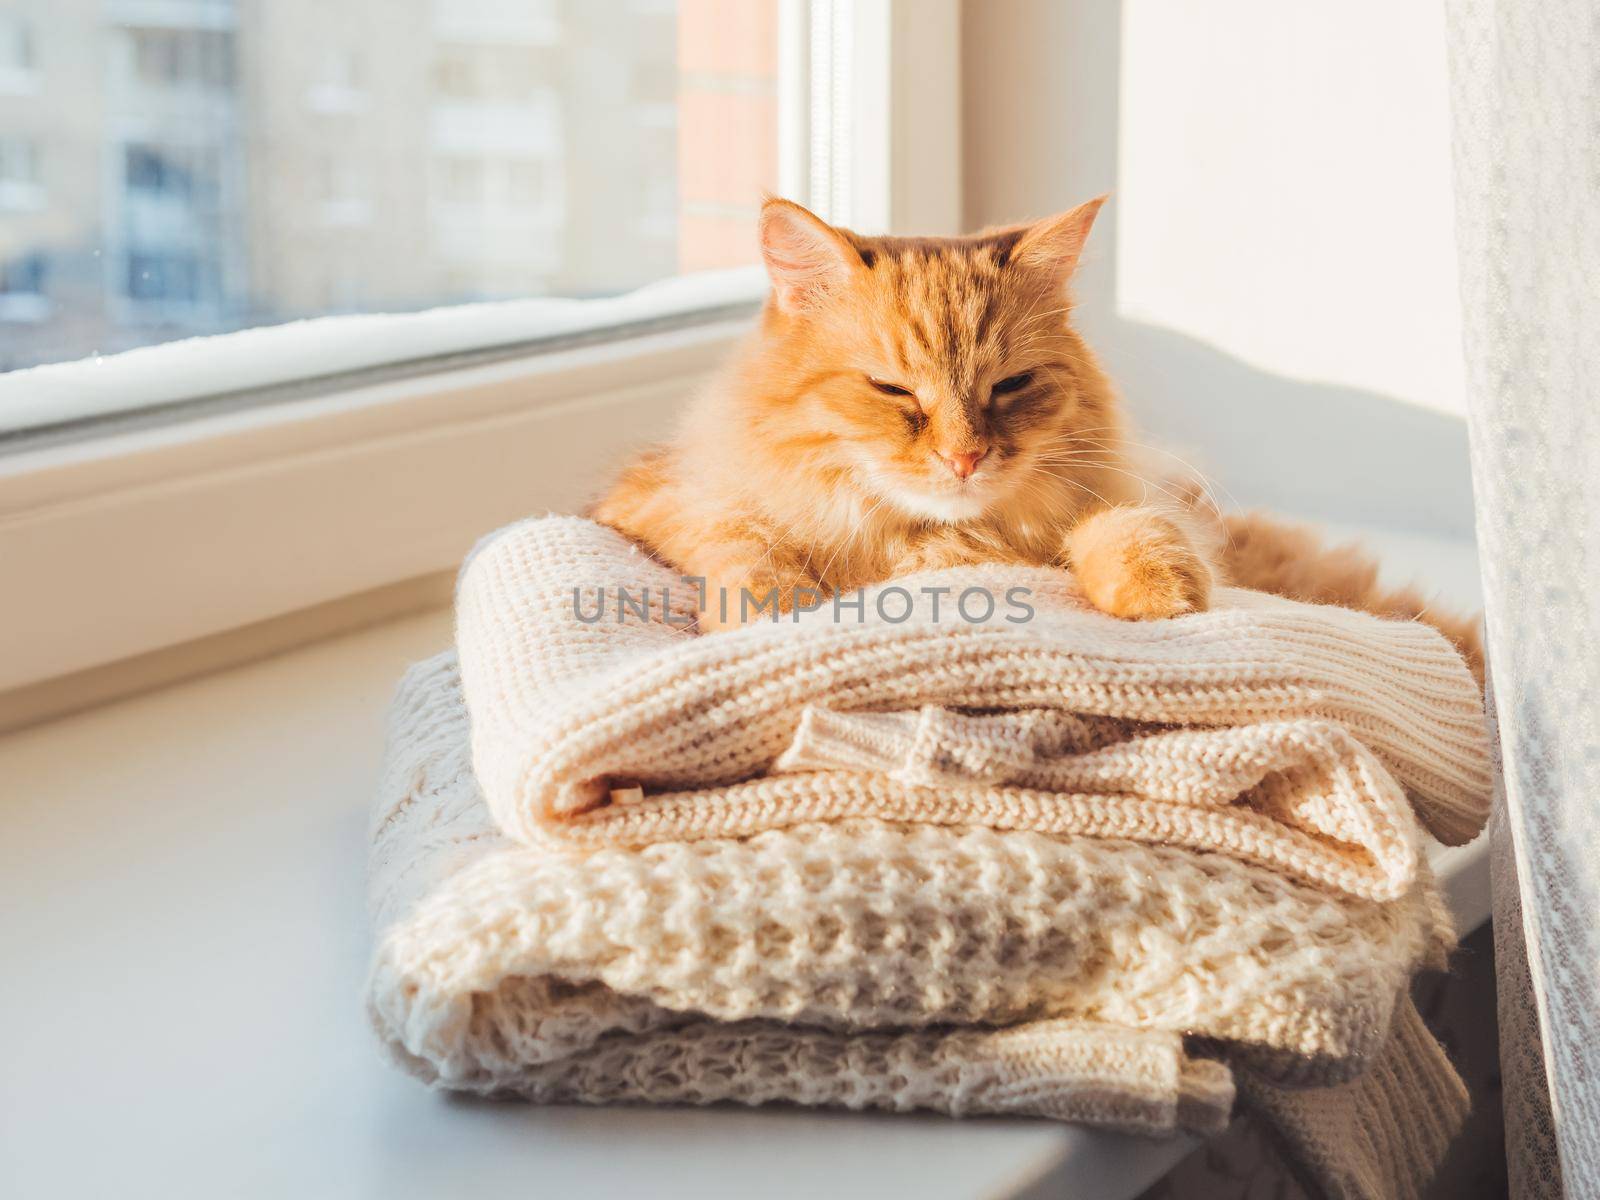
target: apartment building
<point>175,167</point>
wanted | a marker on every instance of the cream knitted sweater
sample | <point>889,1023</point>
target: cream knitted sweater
<point>866,964</point>
<point>1310,739</point>
<point>1074,867</point>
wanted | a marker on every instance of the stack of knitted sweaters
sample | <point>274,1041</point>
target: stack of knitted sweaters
<point>1128,874</point>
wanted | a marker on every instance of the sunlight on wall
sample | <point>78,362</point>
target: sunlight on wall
<point>1284,189</point>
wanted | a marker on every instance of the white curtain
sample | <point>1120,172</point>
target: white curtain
<point>1526,109</point>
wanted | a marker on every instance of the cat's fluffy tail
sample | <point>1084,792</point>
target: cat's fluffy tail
<point>1272,555</point>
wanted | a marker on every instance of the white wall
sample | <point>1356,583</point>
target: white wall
<point>1285,188</point>
<point>1275,287</point>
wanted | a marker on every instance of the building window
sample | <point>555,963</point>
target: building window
<point>494,74</point>
<point>16,43</point>
<point>17,66</point>
<point>164,278</point>
<point>341,69</point>
<point>528,183</point>
<point>459,180</point>
<point>20,188</point>
<point>342,191</point>
<point>22,296</point>
<point>19,160</point>
<point>183,57</point>
<point>23,276</point>
<point>156,173</point>
<point>497,23</point>
<point>337,87</point>
<point>455,73</point>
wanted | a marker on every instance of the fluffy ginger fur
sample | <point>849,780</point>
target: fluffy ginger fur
<point>908,403</point>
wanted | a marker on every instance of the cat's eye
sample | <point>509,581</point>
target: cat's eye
<point>888,389</point>
<point>1012,383</point>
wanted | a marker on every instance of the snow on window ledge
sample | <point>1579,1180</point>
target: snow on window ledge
<point>192,368</point>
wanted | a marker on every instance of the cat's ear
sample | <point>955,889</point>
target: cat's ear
<point>1055,243</point>
<point>805,256</point>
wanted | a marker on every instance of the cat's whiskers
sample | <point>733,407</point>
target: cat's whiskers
<point>811,549</point>
<point>1068,437</point>
<point>822,575</point>
<point>1035,341</point>
<point>1036,484</point>
<point>813,541</point>
<point>1078,483</point>
<point>1038,317</point>
<point>1148,484</point>
<point>1178,500</point>
<point>786,531</point>
<point>1101,451</point>
<point>1199,477</point>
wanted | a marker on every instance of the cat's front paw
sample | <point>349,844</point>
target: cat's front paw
<point>1138,564</point>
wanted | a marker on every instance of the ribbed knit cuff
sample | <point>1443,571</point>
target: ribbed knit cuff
<point>1380,1136</point>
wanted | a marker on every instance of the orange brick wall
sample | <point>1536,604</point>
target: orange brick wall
<point>727,127</point>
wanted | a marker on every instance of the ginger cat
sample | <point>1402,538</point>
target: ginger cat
<point>909,403</point>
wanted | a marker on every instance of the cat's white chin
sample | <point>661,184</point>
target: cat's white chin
<point>949,508</point>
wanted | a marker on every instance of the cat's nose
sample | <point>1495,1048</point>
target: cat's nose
<point>963,464</point>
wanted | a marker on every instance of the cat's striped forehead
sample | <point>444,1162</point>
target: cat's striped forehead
<point>946,301</point>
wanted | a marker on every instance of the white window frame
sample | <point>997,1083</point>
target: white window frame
<point>153,533</point>
<point>871,135</point>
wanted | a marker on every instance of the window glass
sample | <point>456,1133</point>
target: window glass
<point>179,167</point>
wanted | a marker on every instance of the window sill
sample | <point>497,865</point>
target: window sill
<point>332,354</point>
<point>190,865</point>
<point>155,536</point>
